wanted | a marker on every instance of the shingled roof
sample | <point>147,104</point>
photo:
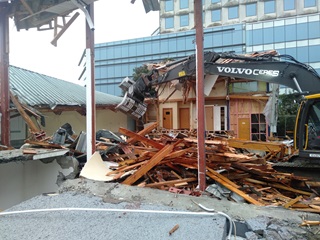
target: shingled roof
<point>42,91</point>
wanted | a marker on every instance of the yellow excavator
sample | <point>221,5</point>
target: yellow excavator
<point>279,69</point>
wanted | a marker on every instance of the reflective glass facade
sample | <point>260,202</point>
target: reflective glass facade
<point>116,60</point>
<point>297,36</point>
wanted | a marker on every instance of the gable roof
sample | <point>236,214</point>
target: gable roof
<point>39,90</point>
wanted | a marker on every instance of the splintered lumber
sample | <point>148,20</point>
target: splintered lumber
<point>279,186</point>
<point>23,114</point>
<point>293,201</point>
<point>140,138</point>
<point>143,132</point>
<point>309,223</point>
<point>171,183</point>
<point>254,145</point>
<point>175,228</point>
<point>150,164</point>
<point>221,179</point>
<point>45,144</point>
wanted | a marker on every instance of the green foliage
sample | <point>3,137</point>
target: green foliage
<point>137,71</point>
<point>288,106</point>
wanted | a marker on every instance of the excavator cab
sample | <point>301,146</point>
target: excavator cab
<point>307,134</point>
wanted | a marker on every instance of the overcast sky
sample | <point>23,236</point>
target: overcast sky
<point>114,20</point>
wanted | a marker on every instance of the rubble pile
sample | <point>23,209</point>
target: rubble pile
<point>240,171</point>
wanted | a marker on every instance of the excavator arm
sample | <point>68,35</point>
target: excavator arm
<point>280,69</point>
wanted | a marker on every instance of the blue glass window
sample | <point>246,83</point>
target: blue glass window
<point>233,12</point>
<point>292,52</point>
<point>216,15</point>
<point>309,3</point>
<point>184,20</point>
<point>279,34</point>
<point>269,7</point>
<point>257,37</point>
<point>291,32</point>
<point>168,22</point>
<point>164,45</point>
<point>168,5</point>
<point>184,4</point>
<point>249,38</point>
<point>314,53</point>
<point>314,30</point>
<point>302,31</point>
<point>215,1</point>
<point>267,35</point>
<point>251,9</point>
<point>289,5</point>
<point>181,44</point>
<point>227,38</point>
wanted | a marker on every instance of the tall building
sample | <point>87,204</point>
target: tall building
<point>242,26</point>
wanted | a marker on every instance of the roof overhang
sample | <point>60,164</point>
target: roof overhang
<point>39,13</point>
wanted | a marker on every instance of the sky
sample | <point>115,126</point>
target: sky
<point>114,20</point>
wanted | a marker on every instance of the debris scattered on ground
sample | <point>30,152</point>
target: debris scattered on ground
<point>240,171</point>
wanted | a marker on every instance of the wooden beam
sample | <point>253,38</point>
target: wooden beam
<point>140,138</point>
<point>23,114</point>
<point>293,201</point>
<point>143,132</point>
<point>171,183</point>
<point>150,164</point>
<point>254,145</point>
<point>64,28</point>
<point>220,179</point>
<point>279,186</point>
<point>27,7</point>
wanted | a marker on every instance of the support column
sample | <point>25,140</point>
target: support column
<point>4,75</point>
<point>200,95</point>
<point>90,45</point>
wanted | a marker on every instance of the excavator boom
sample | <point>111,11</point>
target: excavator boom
<point>280,69</point>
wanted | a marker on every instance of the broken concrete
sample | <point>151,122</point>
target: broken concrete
<point>251,222</point>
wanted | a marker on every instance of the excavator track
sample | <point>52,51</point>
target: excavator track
<point>300,167</point>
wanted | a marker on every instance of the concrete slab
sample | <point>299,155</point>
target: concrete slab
<point>132,221</point>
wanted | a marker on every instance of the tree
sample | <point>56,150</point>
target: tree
<point>137,71</point>
<point>288,106</point>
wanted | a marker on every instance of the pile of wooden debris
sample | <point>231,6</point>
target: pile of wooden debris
<point>170,163</point>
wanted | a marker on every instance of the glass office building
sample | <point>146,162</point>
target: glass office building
<point>288,26</point>
<point>116,60</point>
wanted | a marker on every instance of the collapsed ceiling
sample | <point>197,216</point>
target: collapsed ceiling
<point>42,14</point>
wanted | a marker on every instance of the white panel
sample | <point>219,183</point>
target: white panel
<point>17,128</point>
<point>267,24</point>
<point>279,45</point>
<point>314,18</point>
<point>278,23</point>
<point>217,118</point>
<point>291,44</point>
<point>302,19</point>
<point>209,82</point>
<point>314,41</point>
<point>257,26</point>
<point>302,43</point>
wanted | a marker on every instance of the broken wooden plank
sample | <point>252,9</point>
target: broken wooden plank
<point>293,201</point>
<point>137,137</point>
<point>223,178</point>
<point>232,188</point>
<point>171,182</point>
<point>279,186</point>
<point>143,132</point>
<point>150,164</point>
<point>23,114</point>
<point>254,145</point>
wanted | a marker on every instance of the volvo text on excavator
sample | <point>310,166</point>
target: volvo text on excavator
<point>279,69</point>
